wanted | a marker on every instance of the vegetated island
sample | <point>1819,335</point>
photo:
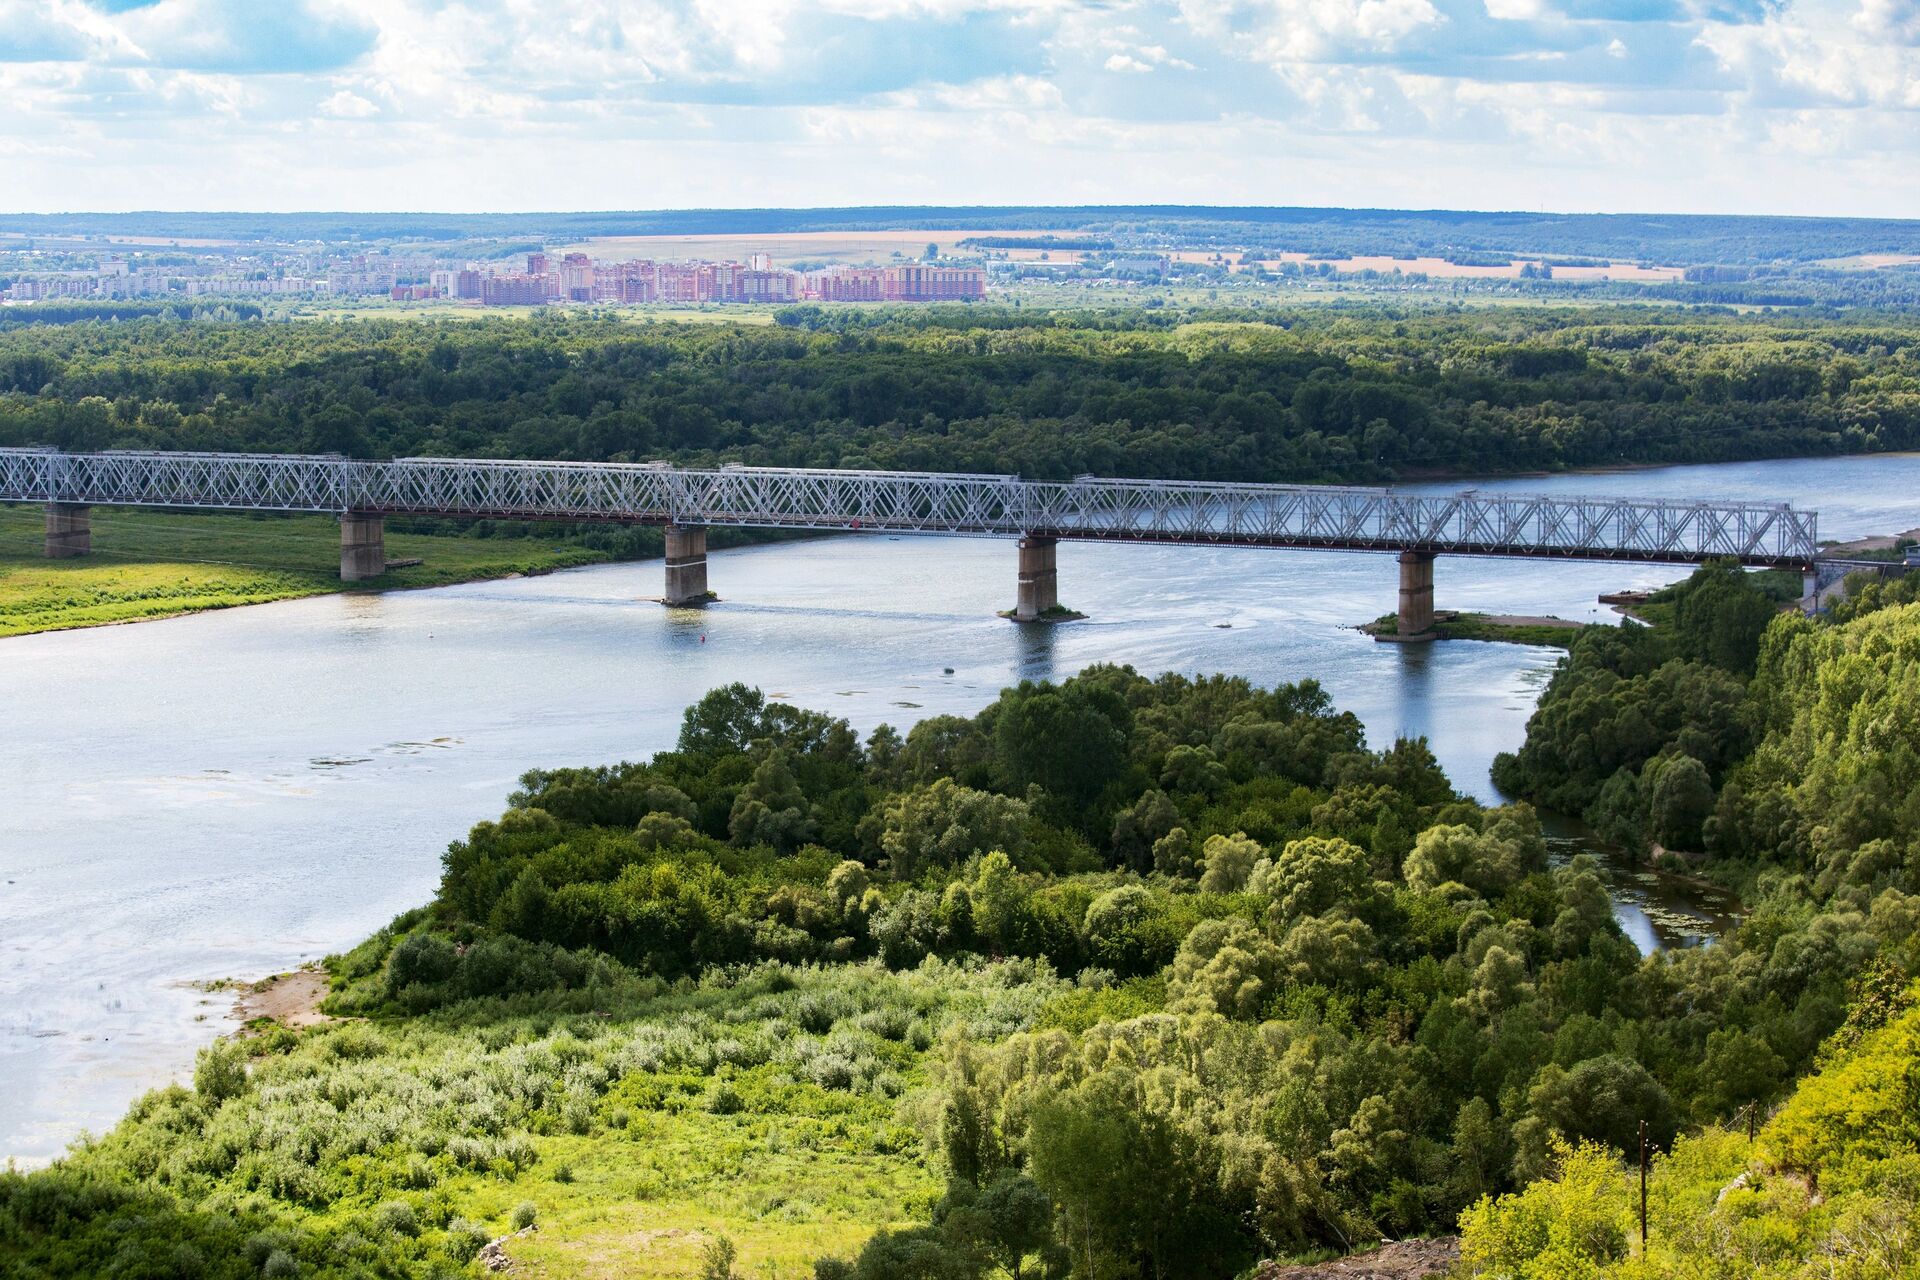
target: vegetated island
<point>1119,976</point>
<point>1658,607</point>
<point>1448,624</point>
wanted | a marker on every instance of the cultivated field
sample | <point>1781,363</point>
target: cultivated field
<point>803,246</point>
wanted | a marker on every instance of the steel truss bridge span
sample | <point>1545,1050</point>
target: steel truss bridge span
<point>1163,511</point>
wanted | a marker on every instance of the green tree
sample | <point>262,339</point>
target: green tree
<point>1312,875</point>
<point>771,809</point>
<point>1228,861</point>
<point>1009,1220</point>
<point>1227,967</point>
<point>1069,740</point>
<point>943,824</point>
<point>1682,801</point>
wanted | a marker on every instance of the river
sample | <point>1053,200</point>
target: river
<point>229,794</point>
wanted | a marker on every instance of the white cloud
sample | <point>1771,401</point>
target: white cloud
<point>348,105</point>
<point>1797,105</point>
<point>1802,55</point>
<point>1279,31</point>
<point>1896,20</point>
<point>1516,10</point>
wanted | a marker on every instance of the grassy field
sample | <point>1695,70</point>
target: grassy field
<point>157,564</point>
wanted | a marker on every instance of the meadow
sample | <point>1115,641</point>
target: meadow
<point>156,564</point>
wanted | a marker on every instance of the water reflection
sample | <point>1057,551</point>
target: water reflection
<point>1654,909</point>
<point>1034,648</point>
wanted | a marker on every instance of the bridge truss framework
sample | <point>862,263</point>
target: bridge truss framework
<point>1162,511</point>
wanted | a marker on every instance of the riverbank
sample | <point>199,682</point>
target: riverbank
<point>148,565</point>
<point>291,1000</point>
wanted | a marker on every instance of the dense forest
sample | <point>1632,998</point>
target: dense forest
<point>1119,977</point>
<point>1361,393</point>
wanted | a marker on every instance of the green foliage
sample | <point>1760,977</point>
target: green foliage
<point>220,1072</point>
<point>1831,1190</point>
<point>941,825</point>
<point>1570,1225</point>
<point>1227,861</point>
<point>1354,393</point>
<point>755,964</point>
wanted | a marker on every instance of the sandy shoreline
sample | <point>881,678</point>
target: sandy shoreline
<point>290,999</point>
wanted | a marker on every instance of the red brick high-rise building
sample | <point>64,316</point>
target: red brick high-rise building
<point>935,284</point>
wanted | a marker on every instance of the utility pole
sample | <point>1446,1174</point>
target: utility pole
<point>1643,1188</point>
<point>1753,1120</point>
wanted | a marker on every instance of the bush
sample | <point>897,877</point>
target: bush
<point>722,1099</point>
<point>220,1071</point>
<point>717,1258</point>
<point>523,1215</point>
<point>464,1239</point>
<point>1570,1225</point>
<point>397,1217</point>
<point>422,960</point>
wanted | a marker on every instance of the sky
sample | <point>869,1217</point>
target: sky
<point>1697,106</point>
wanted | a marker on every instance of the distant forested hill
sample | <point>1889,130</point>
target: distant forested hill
<point>1666,238</point>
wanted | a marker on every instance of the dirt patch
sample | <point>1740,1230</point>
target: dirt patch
<point>290,999</point>
<point>1398,1260</point>
<point>1531,620</point>
<point>1885,542</point>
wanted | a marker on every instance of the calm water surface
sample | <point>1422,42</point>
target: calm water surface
<point>229,794</point>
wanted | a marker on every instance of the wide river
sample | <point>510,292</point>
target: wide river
<point>230,794</point>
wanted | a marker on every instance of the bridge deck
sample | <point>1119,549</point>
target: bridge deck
<point>1321,517</point>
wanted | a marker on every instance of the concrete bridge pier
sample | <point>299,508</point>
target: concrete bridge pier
<point>1039,579</point>
<point>687,565</point>
<point>69,530</point>
<point>363,546</point>
<point>1415,622</point>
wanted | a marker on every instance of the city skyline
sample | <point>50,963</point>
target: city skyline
<point>1712,106</point>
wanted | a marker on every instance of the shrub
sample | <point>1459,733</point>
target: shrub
<point>716,1259</point>
<point>422,960</point>
<point>1570,1225</point>
<point>397,1217</point>
<point>464,1238</point>
<point>722,1099</point>
<point>220,1071</point>
<point>523,1215</point>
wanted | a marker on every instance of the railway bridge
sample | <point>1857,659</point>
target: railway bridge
<point>688,502</point>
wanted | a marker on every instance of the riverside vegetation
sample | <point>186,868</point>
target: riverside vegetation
<point>1363,392</point>
<point>1349,393</point>
<point>1120,977</point>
